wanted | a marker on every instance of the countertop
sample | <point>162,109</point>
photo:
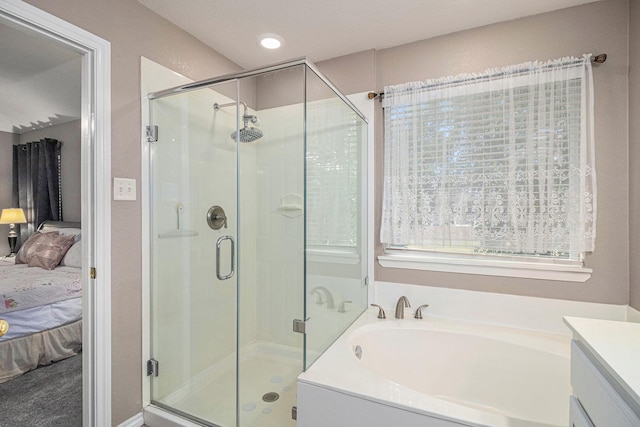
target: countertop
<point>615,345</point>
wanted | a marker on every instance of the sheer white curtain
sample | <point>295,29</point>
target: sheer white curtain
<point>499,163</point>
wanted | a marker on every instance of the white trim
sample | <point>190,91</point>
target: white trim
<point>540,314</point>
<point>136,421</point>
<point>450,263</point>
<point>96,203</point>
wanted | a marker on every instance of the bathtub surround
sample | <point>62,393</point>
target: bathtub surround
<point>437,372</point>
<point>377,396</point>
<point>633,315</point>
<point>530,313</point>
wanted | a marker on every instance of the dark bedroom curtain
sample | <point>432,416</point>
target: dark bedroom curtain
<point>36,183</point>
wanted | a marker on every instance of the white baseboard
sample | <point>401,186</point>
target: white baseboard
<point>633,315</point>
<point>136,421</point>
<point>532,313</point>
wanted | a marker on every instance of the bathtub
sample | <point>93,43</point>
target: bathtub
<point>437,372</point>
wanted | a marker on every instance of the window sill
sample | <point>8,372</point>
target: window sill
<point>333,256</point>
<point>504,268</point>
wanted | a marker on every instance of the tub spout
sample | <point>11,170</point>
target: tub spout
<point>327,296</point>
<point>400,305</point>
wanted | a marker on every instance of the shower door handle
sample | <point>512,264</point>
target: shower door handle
<point>233,257</point>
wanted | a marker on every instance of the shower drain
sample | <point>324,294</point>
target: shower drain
<point>271,396</point>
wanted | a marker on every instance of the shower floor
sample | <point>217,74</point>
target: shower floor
<point>264,368</point>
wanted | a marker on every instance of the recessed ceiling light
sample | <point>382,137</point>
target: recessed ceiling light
<point>270,41</point>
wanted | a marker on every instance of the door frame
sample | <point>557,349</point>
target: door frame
<point>95,198</point>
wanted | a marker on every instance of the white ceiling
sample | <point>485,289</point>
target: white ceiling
<point>324,29</point>
<point>39,81</point>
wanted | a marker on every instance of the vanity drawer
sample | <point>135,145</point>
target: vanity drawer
<point>602,403</point>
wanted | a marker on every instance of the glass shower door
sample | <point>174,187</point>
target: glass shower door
<point>193,234</point>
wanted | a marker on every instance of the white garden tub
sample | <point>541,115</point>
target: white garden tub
<point>437,372</point>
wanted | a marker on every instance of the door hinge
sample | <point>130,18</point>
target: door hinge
<point>152,133</point>
<point>301,326</point>
<point>294,412</point>
<point>152,367</point>
<point>92,272</point>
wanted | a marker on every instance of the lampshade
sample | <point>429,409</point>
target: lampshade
<point>12,216</point>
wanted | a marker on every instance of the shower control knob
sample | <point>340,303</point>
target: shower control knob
<point>216,217</point>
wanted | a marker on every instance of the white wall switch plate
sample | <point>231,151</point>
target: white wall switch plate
<point>124,189</point>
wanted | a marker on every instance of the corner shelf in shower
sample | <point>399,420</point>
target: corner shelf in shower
<point>291,205</point>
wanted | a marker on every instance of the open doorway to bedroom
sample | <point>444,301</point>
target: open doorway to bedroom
<point>54,140</point>
<point>40,189</point>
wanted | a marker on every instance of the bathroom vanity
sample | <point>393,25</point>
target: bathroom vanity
<point>605,373</point>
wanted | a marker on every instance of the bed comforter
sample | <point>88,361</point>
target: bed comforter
<point>23,287</point>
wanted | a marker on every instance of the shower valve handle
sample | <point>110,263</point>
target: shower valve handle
<point>216,218</point>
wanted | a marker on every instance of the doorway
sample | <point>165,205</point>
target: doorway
<point>95,113</point>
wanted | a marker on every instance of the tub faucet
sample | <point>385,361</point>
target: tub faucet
<point>327,296</point>
<point>400,305</point>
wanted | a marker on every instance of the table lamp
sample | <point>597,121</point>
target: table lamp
<point>12,217</point>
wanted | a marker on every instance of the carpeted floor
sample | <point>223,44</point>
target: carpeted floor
<point>48,396</point>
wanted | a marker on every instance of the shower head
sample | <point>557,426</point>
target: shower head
<point>247,134</point>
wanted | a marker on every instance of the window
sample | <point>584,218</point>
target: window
<point>493,165</point>
<point>334,137</point>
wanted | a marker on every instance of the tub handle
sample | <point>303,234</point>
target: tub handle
<point>419,311</point>
<point>381,314</point>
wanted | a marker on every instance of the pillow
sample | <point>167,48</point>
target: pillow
<point>73,257</point>
<point>28,248</point>
<point>49,251</point>
<point>77,232</point>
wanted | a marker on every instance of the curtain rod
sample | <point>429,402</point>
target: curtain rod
<point>598,59</point>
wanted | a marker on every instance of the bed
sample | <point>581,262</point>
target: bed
<point>42,307</point>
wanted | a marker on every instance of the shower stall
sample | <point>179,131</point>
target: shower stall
<point>258,252</point>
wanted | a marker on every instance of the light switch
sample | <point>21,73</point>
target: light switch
<point>124,189</point>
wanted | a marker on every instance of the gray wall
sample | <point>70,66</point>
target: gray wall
<point>634,154</point>
<point>133,31</point>
<point>69,134</point>
<point>600,27</point>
